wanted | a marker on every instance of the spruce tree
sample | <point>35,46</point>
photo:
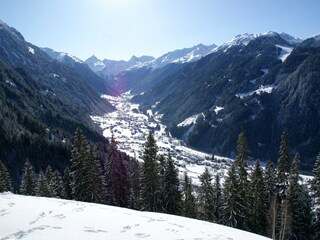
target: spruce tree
<point>271,197</point>
<point>57,186</point>
<point>48,177</point>
<point>43,189</point>
<point>171,193</point>
<point>189,201</point>
<point>93,181</point>
<point>243,183</point>
<point>78,158</point>
<point>28,181</point>
<point>231,213</point>
<point>217,200</point>
<point>206,196</point>
<point>5,181</point>
<point>150,180</point>
<point>67,183</point>
<point>258,201</point>
<point>135,188</point>
<point>117,176</point>
<point>316,196</point>
<point>299,205</point>
<point>282,188</point>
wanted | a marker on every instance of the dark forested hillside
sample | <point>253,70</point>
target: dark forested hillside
<point>42,102</point>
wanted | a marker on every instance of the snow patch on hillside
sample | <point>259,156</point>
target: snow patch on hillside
<point>34,218</point>
<point>261,89</point>
<point>188,121</point>
<point>31,50</point>
<point>285,52</point>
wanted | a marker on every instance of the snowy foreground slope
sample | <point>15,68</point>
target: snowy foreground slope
<point>23,217</point>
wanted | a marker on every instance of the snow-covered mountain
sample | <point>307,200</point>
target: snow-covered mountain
<point>60,56</point>
<point>180,56</point>
<point>107,68</point>
<point>34,218</point>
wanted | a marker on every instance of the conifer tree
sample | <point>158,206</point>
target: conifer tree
<point>258,205</point>
<point>117,176</point>
<point>282,188</point>
<point>283,166</point>
<point>135,188</point>
<point>206,196</point>
<point>189,201</point>
<point>271,198</point>
<point>243,183</point>
<point>67,183</point>
<point>299,205</point>
<point>43,186</point>
<point>48,178</point>
<point>171,193</point>
<point>217,200</point>
<point>93,181</point>
<point>150,180</point>
<point>57,186</point>
<point>231,208</point>
<point>316,196</point>
<point>5,181</point>
<point>28,181</point>
<point>78,158</point>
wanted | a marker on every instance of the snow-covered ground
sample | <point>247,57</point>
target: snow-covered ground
<point>285,52</point>
<point>34,218</point>
<point>131,127</point>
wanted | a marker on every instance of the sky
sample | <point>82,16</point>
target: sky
<point>118,29</point>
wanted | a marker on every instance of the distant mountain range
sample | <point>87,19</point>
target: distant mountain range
<point>108,68</point>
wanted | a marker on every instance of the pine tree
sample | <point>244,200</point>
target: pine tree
<point>48,177</point>
<point>283,166</point>
<point>78,158</point>
<point>93,181</point>
<point>43,186</point>
<point>282,188</point>
<point>217,200</point>
<point>135,188</point>
<point>316,196</point>
<point>171,193</point>
<point>258,204</point>
<point>150,180</point>
<point>206,196</point>
<point>5,181</point>
<point>271,198</point>
<point>57,186</point>
<point>117,176</point>
<point>67,183</point>
<point>243,183</point>
<point>299,205</point>
<point>189,201</point>
<point>231,208</point>
<point>28,185</point>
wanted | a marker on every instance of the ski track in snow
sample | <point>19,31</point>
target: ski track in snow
<point>34,218</point>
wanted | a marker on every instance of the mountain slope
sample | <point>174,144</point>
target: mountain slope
<point>259,82</point>
<point>94,81</point>
<point>42,102</point>
<point>46,218</point>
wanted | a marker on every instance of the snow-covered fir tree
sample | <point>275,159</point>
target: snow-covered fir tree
<point>206,196</point>
<point>28,180</point>
<point>150,180</point>
<point>189,201</point>
<point>5,181</point>
<point>217,200</point>
<point>171,195</point>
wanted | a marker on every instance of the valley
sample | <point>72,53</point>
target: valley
<point>130,128</point>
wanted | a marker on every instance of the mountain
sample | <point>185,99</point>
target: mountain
<point>42,102</point>
<point>257,81</point>
<point>93,80</point>
<point>46,218</point>
<point>109,68</point>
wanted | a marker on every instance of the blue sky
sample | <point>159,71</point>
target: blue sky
<point>118,29</point>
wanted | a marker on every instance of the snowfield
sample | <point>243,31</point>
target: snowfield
<point>34,218</point>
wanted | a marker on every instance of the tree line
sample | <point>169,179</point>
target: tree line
<point>270,201</point>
